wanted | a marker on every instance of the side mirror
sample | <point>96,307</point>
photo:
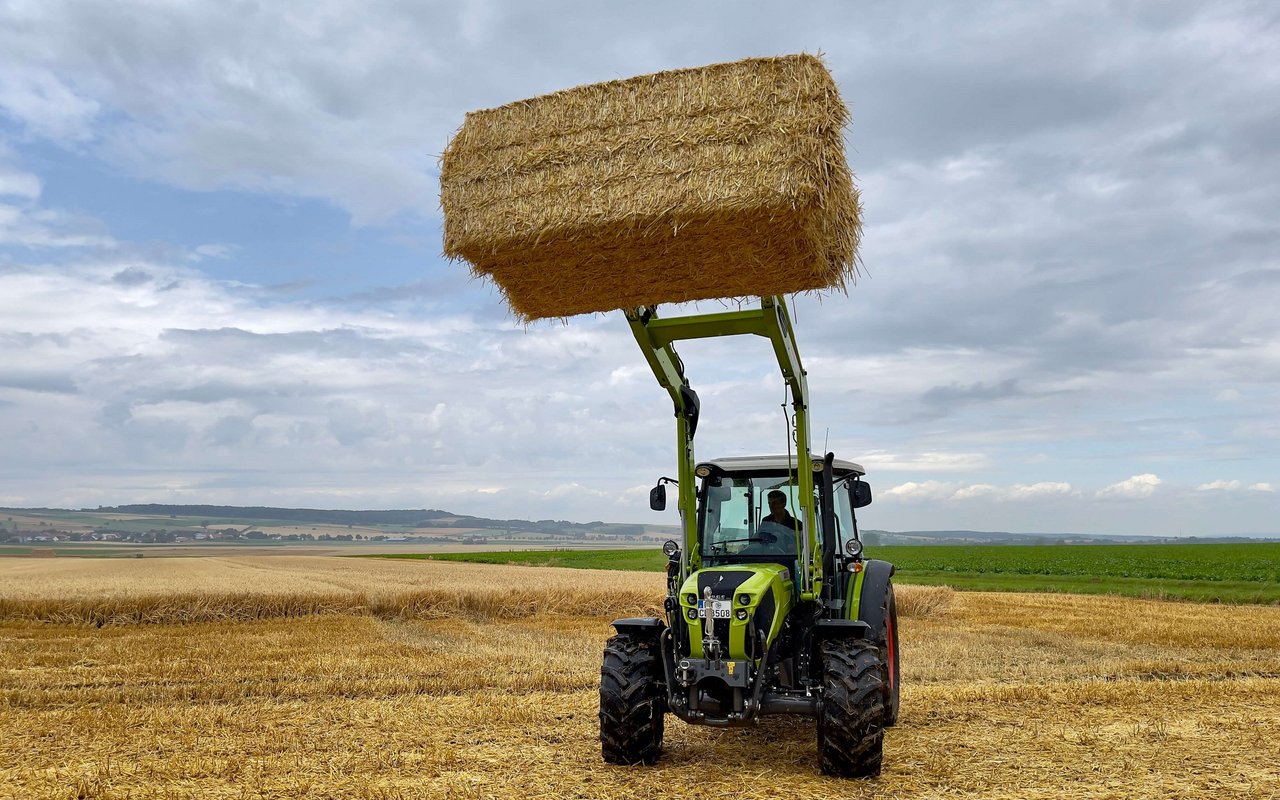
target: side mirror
<point>658,497</point>
<point>859,494</point>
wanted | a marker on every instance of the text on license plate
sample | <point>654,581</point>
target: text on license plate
<point>719,609</point>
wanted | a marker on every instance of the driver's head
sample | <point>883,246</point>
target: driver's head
<point>777,501</point>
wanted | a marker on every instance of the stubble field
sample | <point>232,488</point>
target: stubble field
<point>340,678</point>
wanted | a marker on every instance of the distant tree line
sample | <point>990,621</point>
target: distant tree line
<point>412,518</point>
<point>416,517</point>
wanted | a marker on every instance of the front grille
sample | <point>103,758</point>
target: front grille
<point>724,585</point>
<point>720,630</point>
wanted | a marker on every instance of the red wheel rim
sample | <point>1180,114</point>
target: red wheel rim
<point>891,647</point>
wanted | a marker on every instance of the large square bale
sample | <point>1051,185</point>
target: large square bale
<point>718,182</point>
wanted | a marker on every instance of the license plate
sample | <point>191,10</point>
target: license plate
<point>720,609</point>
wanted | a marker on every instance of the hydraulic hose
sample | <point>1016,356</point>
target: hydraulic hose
<point>829,535</point>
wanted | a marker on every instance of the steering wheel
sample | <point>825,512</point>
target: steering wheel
<point>748,539</point>
<point>773,531</point>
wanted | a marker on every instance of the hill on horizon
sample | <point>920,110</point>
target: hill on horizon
<point>438,518</point>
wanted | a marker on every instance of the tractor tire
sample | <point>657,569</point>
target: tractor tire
<point>632,701</point>
<point>887,641</point>
<point>851,721</point>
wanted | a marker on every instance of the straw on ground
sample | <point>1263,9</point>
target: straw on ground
<point>1005,696</point>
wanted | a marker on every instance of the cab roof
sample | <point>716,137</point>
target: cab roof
<point>779,463</point>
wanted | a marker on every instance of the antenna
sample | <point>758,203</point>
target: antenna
<point>826,440</point>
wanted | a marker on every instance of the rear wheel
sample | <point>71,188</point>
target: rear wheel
<point>632,703</point>
<point>850,725</point>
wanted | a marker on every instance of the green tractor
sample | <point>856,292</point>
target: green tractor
<point>771,606</point>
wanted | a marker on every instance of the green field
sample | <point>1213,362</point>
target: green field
<point>62,549</point>
<point>1226,573</point>
<point>637,560</point>
<point>137,550</point>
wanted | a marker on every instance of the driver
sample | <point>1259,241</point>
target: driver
<point>775,531</point>
<point>778,511</point>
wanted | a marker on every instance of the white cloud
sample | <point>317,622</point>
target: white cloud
<point>575,490</point>
<point>976,490</point>
<point>1234,486</point>
<point>879,460</point>
<point>27,226</point>
<point>1018,491</point>
<point>1137,486</point>
<point>1038,490</point>
<point>924,490</point>
<point>939,490</point>
<point>26,223</point>
<point>967,167</point>
<point>1227,486</point>
<point>14,183</point>
<point>44,103</point>
<point>195,388</point>
<point>628,375</point>
<point>349,106</point>
<point>201,252</point>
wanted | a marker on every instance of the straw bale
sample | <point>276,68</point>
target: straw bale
<point>718,182</point>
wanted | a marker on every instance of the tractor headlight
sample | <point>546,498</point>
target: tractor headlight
<point>692,613</point>
<point>702,471</point>
<point>744,599</point>
<point>741,614</point>
<point>691,599</point>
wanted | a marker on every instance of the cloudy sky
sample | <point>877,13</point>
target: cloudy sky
<point>220,277</point>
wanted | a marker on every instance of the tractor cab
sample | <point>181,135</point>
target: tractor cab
<point>760,521</point>
<point>752,510</point>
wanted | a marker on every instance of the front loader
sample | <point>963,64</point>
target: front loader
<point>776,613</point>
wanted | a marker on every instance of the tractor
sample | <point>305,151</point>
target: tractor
<point>771,605</point>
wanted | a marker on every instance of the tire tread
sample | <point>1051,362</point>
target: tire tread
<point>851,725</point>
<point>631,702</point>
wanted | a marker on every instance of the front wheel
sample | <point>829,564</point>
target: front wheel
<point>632,702</point>
<point>851,722</point>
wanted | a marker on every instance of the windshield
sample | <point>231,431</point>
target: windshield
<point>739,520</point>
<point>846,528</point>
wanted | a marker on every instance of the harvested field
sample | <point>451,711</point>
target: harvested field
<point>1004,696</point>
<point>212,589</point>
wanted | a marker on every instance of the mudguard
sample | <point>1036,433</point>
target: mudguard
<point>640,627</point>
<point>825,629</point>
<point>864,598</point>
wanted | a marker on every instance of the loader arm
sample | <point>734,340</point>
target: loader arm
<point>656,337</point>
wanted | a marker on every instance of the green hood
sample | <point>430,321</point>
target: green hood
<point>769,590</point>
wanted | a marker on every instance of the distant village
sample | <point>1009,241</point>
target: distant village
<point>51,535</point>
<point>48,533</point>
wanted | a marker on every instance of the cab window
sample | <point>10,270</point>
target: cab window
<point>737,519</point>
